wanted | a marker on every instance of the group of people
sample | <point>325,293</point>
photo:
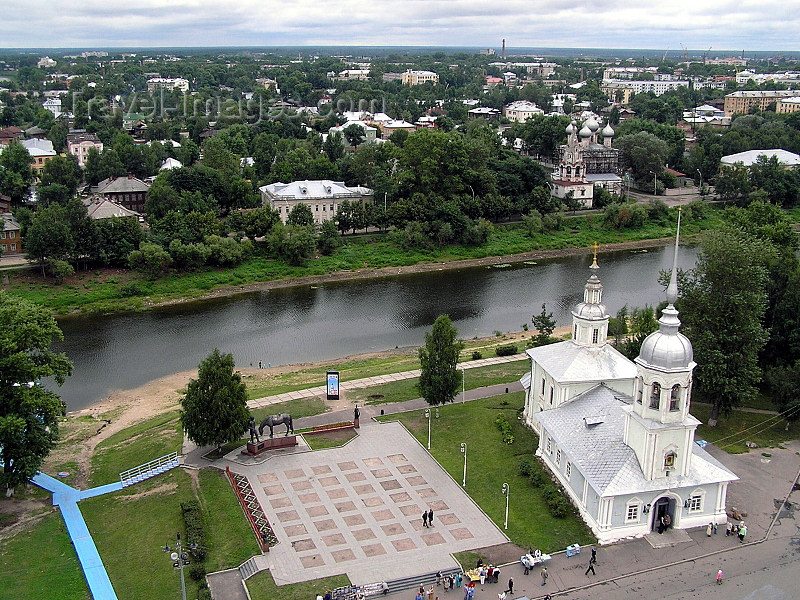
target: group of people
<point>449,581</point>
<point>427,518</point>
<point>664,523</point>
<point>490,574</point>
<point>738,529</point>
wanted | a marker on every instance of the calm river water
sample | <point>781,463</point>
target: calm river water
<point>316,323</point>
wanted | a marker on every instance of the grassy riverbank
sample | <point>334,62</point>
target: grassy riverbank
<point>112,290</point>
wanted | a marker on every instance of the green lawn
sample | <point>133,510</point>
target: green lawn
<point>262,587</point>
<point>330,439</point>
<point>490,463</point>
<point>731,433</point>
<point>41,563</point>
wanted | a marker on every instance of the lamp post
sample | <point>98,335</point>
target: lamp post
<point>699,172</point>
<point>655,189</point>
<point>473,193</point>
<point>463,384</point>
<point>178,559</point>
<point>464,452</point>
<point>505,493</point>
<point>428,416</point>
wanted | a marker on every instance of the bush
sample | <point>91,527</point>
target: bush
<point>507,350</point>
<point>658,211</point>
<point>130,290</point>
<point>476,355</point>
<point>150,258</point>
<point>552,222</point>
<point>525,468</point>
<point>60,270</point>
<point>532,222</point>
<point>188,257</point>
<point>622,215</point>
<point>505,428</point>
<point>204,594</point>
<point>197,571</point>
<point>195,533</point>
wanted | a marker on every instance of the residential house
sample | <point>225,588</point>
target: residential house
<point>10,238</point>
<point>322,197</point>
<point>788,160</point>
<point>177,83</point>
<point>98,207</point>
<point>411,77</point>
<point>9,134</point>
<point>53,105</point>
<point>41,151</point>
<point>370,133</point>
<point>521,110</point>
<point>742,102</point>
<point>79,142</point>
<point>788,105</point>
<point>128,191</point>
<point>389,127</point>
<point>483,112</point>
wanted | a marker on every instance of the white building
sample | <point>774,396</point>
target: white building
<point>80,142</point>
<point>354,74</point>
<point>521,110</point>
<point>617,434</point>
<point>749,157</point>
<point>46,63</point>
<point>411,77</point>
<point>322,197</point>
<point>53,105</point>
<point>370,133</point>
<point>177,83</point>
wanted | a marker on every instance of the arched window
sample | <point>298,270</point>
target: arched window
<point>577,171</point>
<point>569,171</point>
<point>675,397</point>
<point>655,394</point>
<point>669,460</point>
<point>639,392</point>
<point>594,336</point>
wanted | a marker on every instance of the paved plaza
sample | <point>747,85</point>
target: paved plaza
<point>358,509</point>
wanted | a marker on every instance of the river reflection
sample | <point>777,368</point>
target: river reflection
<point>316,323</point>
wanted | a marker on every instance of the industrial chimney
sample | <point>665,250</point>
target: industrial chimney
<point>504,48</point>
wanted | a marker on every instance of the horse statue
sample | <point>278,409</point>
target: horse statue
<point>273,420</point>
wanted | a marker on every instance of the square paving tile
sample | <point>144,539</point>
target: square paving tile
<point>400,497</point>
<point>353,520</point>
<point>345,506</point>
<point>373,549</point>
<point>295,530</point>
<point>299,486</point>
<point>280,502</point>
<point>363,534</point>
<point>336,493</point>
<point>404,544</point>
<point>274,490</point>
<point>289,515</point>
<point>391,484</point>
<point>438,505</point>
<point>427,493</point>
<point>353,477</point>
<point>406,469</point>
<point>336,539</point>
<point>383,515</point>
<point>343,555</point>
<point>303,545</point>
<point>433,539</point>
<point>417,524</point>
<point>416,480</point>
<point>309,562</point>
<point>462,533</point>
<point>448,519</point>
<point>321,470</point>
<point>294,473</point>
<point>363,489</point>
<point>397,458</point>
<point>373,462</point>
<point>373,502</point>
<point>393,529</point>
<point>308,498</point>
<point>411,510</point>
<point>328,481</point>
<point>267,477</point>
<point>325,525</point>
<point>317,511</point>
<point>381,473</point>
<point>347,466</point>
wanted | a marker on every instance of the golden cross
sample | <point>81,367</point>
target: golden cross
<point>595,247</point>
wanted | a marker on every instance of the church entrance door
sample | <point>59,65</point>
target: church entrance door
<point>663,514</point>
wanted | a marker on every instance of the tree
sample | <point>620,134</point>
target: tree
<point>643,153</point>
<point>293,243</point>
<point>62,170</point>
<point>333,146</point>
<point>49,236</point>
<point>29,414</point>
<point>783,383</point>
<point>214,408</point>
<point>722,307</point>
<point>545,324</point>
<point>328,239</point>
<point>439,379</point>
<point>354,133</point>
<point>15,171</point>
<point>301,215</point>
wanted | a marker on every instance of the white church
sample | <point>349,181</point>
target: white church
<point>617,434</point>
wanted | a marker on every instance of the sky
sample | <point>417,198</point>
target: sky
<point>699,24</point>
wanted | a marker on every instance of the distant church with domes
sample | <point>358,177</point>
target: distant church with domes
<point>617,434</point>
<point>585,162</point>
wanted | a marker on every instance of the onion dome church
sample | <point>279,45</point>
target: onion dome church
<point>617,434</point>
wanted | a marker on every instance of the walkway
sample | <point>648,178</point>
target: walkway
<point>321,390</point>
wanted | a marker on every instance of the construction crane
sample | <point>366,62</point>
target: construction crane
<point>685,53</point>
<point>663,58</point>
<point>705,54</point>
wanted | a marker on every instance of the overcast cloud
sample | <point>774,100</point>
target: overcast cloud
<point>721,24</point>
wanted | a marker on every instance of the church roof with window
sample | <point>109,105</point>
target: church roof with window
<point>569,362</point>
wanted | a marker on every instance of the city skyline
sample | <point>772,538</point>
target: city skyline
<point>722,25</point>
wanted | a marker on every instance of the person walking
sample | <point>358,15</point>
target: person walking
<point>496,575</point>
<point>482,574</point>
<point>719,577</point>
<point>593,559</point>
<point>430,593</point>
<point>709,529</point>
<point>742,532</point>
<point>590,568</point>
<point>510,589</point>
<point>425,518</point>
<point>545,575</point>
<point>728,529</point>
<point>430,517</point>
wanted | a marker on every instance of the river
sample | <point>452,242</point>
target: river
<point>318,323</point>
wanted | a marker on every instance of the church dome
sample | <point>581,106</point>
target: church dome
<point>585,132</point>
<point>590,312</point>
<point>591,124</point>
<point>570,128</point>
<point>667,352</point>
<point>607,131</point>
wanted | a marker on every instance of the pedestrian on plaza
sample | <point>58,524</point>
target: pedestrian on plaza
<point>496,575</point>
<point>459,578</point>
<point>709,529</point>
<point>438,578</point>
<point>545,575</point>
<point>715,529</point>
<point>719,577</point>
<point>510,589</point>
<point>430,517</point>
<point>466,592</point>
<point>742,532</point>
<point>319,596</point>
<point>418,596</point>
<point>547,597</point>
<point>425,518</point>
<point>661,525</point>
<point>327,595</point>
<point>590,568</point>
<point>593,559</point>
<point>479,564</point>
<point>430,593</point>
<point>728,529</point>
<point>470,593</point>
<point>525,564</point>
<point>501,596</point>
<point>384,587</point>
<point>490,573</point>
<point>482,574</point>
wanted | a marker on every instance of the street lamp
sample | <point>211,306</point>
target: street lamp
<point>699,172</point>
<point>505,493</point>
<point>473,193</point>
<point>179,558</point>
<point>655,189</point>
<point>464,452</point>
<point>463,384</point>
<point>428,416</point>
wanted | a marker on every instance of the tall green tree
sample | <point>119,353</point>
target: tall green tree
<point>214,408</point>
<point>439,380</point>
<point>722,307</point>
<point>28,413</point>
<point>545,324</point>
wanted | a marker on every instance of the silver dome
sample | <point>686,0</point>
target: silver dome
<point>585,132</point>
<point>607,131</point>
<point>667,348</point>
<point>592,124</point>
<point>590,312</point>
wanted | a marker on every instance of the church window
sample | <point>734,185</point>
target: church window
<point>568,469</point>
<point>632,513</point>
<point>655,394</point>
<point>575,332</point>
<point>543,386</point>
<point>669,460</point>
<point>569,171</point>
<point>696,503</point>
<point>639,392</point>
<point>674,398</point>
<point>577,171</point>
<point>595,335</point>
<point>558,457</point>
<point>549,445</point>
<point>551,395</point>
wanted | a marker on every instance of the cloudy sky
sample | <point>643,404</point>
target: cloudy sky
<point>698,24</point>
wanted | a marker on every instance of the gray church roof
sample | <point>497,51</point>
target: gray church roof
<point>568,362</point>
<point>590,430</point>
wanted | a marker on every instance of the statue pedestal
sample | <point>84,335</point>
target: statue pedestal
<point>254,449</point>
